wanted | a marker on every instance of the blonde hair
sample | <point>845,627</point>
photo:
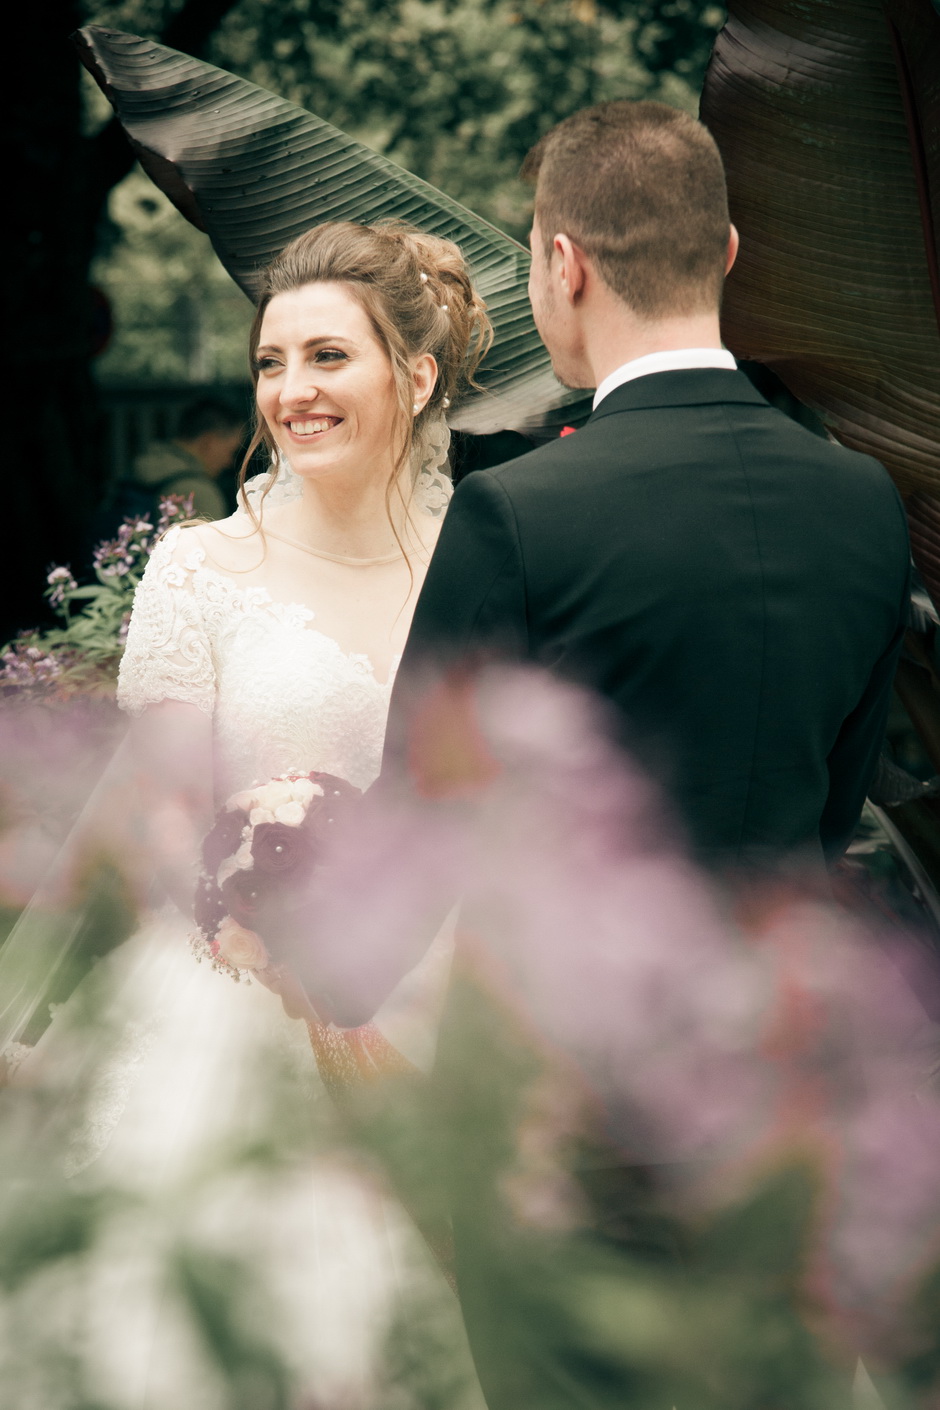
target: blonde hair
<point>417,294</point>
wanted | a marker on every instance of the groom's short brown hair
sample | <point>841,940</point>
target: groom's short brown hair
<point>640,187</point>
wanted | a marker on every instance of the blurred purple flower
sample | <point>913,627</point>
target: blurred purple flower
<point>600,934</point>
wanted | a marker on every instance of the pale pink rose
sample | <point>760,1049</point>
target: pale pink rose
<point>290,814</point>
<point>240,947</point>
<point>304,790</point>
<point>243,857</point>
<point>272,795</point>
<point>245,800</point>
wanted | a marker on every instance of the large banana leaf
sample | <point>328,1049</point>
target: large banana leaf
<point>827,113</point>
<point>253,171</point>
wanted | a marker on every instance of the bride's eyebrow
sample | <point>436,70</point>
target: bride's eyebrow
<point>308,343</point>
<point>326,338</point>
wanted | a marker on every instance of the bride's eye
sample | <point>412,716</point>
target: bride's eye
<point>331,355</point>
<point>265,364</point>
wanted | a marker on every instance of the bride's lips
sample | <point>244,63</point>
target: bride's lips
<point>310,428</point>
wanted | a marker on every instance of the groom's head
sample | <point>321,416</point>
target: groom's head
<point>636,193</point>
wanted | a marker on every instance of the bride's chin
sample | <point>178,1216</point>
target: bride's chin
<point>318,468</point>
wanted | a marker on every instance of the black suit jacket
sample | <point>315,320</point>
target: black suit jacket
<point>736,586</point>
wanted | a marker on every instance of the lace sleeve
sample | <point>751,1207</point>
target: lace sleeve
<point>168,655</point>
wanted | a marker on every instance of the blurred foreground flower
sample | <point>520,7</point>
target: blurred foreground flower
<point>761,1068</point>
<point>687,1137</point>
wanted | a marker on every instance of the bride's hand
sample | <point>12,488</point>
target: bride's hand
<point>279,979</point>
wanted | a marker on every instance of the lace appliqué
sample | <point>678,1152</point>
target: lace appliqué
<point>109,1098</point>
<point>433,487</point>
<point>281,694</point>
<point>285,486</point>
<point>167,655</point>
<point>11,1057</point>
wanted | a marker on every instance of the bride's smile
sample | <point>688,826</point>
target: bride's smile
<point>304,430</point>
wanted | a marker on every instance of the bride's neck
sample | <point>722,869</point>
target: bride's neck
<point>353,520</point>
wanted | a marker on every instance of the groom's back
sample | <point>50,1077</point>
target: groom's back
<point>733,584</point>
<point>736,586</point>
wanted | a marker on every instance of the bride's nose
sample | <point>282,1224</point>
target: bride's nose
<point>298,386</point>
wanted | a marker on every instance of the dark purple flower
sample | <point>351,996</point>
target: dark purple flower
<point>243,895</point>
<point>224,839</point>
<point>324,812</point>
<point>281,851</point>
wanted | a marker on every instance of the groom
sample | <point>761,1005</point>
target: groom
<point>736,586</point>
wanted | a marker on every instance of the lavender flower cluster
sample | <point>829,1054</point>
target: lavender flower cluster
<point>61,583</point>
<point>81,656</point>
<point>129,551</point>
<point>27,666</point>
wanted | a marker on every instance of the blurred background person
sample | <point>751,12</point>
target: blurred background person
<point>209,432</point>
<point>197,461</point>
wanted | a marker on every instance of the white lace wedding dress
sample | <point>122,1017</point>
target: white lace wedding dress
<point>205,1105</point>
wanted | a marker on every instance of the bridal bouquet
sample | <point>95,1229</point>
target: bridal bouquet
<point>262,849</point>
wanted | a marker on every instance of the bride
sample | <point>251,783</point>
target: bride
<point>267,643</point>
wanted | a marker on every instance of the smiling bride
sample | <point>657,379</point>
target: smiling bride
<point>261,645</point>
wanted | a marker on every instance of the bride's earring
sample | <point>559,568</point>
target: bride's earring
<point>415,407</point>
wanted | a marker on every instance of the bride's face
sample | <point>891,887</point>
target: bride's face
<point>325,385</point>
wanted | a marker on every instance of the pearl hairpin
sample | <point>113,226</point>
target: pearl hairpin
<point>423,277</point>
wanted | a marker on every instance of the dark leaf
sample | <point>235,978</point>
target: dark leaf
<point>828,119</point>
<point>253,171</point>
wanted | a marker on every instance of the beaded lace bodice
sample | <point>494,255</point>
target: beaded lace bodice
<point>281,694</point>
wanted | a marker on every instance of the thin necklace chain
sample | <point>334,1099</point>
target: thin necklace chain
<point>336,557</point>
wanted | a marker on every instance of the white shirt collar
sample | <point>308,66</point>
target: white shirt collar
<point>676,361</point>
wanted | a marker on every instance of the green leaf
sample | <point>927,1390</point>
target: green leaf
<point>253,171</point>
<point>767,1234</point>
<point>828,119</point>
<point>85,593</point>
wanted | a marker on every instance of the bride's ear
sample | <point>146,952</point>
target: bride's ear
<point>425,377</point>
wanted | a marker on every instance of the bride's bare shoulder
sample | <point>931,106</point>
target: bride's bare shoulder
<point>231,545</point>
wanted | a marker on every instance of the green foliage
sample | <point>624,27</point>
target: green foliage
<point>457,93</point>
<point>426,1362</point>
<point>454,90</point>
<point>766,1234</point>
<point>561,1312</point>
<point>179,317</point>
<point>214,1289</point>
<point>83,655</point>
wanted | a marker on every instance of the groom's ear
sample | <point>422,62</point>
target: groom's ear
<point>734,242</point>
<point>570,267</point>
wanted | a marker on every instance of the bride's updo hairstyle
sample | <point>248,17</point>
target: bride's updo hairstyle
<point>416,291</point>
